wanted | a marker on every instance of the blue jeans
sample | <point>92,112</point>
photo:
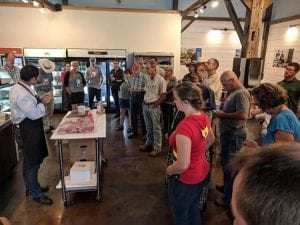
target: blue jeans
<point>230,144</point>
<point>184,201</point>
<point>30,175</point>
<point>152,122</point>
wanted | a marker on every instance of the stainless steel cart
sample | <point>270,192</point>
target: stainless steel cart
<point>98,134</point>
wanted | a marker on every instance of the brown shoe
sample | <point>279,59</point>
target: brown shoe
<point>155,152</point>
<point>145,148</point>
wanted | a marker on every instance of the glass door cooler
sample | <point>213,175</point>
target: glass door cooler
<point>104,59</point>
<point>58,56</point>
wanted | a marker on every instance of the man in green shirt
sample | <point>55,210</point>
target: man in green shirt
<point>292,86</point>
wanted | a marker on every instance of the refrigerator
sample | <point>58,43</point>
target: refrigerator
<point>104,59</point>
<point>59,57</point>
<point>163,58</point>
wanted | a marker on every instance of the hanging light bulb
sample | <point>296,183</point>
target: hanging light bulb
<point>214,4</point>
<point>196,14</point>
<point>201,10</point>
<point>35,3</point>
<point>42,9</point>
<point>25,1</point>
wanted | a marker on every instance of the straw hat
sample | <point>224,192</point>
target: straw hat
<point>47,65</point>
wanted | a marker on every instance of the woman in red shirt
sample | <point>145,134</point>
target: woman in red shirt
<point>190,170</point>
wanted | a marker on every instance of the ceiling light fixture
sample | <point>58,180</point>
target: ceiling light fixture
<point>196,14</point>
<point>201,9</point>
<point>35,4</point>
<point>42,9</point>
<point>214,4</point>
<point>25,1</point>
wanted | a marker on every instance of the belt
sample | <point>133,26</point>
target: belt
<point>149,103</point>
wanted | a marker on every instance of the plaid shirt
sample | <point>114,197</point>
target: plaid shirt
<point>137,82</point>
<point>13,72</point>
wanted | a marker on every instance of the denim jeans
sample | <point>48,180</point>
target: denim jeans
<point>92,93</point>
<point>230,144</point>
<point>184,201</point>
<point>30,175</point>
<point>152,122</point>
<point>136,108</point>
<point>114,92</point>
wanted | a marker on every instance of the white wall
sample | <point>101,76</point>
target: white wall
<point>215,44</point>
<point>135,32</point>
<point>281,37</point>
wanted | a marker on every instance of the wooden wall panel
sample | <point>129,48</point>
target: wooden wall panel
<point>280,38</point>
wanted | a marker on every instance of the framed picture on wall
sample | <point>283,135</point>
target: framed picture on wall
<point>190,55</point>
<point>282,57</point>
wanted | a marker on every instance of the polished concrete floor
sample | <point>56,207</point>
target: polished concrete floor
<point>133,190</point>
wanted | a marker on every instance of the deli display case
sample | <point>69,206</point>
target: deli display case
<point>4,97</point>
<point>58,56</point>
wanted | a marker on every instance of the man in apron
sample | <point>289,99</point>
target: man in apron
<point>27,111</point>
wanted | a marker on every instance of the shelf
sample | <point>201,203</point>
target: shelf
<point>79,185</point>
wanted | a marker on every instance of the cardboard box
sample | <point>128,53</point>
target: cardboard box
<point>82,171</point>
<point>82,149</point>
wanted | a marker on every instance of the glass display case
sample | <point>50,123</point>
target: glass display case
<point>4,97</point>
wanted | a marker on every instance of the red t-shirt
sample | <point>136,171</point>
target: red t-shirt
<point>196,128</point>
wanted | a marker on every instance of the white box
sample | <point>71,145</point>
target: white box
<point>82,170</point>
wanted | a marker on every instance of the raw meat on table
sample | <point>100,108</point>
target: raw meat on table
<point>77,125</point>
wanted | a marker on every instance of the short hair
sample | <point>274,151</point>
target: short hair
<point>154,57</point>
<point>28,72</point>
<point>75,62</point>
<point>216,62</point>
<point>296,65</point>
<point>116,60</point>
<point>269,95</point>
<point>268,192</point>
<point>140,56</point>
<point>127,71</point>
<point>191,93</point>
<point>9,53</point>
<point>169,67</point>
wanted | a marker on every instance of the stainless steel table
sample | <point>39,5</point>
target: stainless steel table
<point>98,134</point>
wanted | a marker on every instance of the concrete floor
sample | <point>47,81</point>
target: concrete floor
<point>133,190</point>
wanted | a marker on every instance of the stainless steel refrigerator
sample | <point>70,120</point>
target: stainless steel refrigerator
<point>104,59</point>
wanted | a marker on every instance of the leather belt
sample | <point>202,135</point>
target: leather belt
<point>149,103</point>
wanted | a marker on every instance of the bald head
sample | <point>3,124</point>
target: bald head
<point>230,81</point>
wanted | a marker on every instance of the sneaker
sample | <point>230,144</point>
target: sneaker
<point>145,148</point>
<point>155,152</point>
<point>44,200</point>
<point>120,127</point>
<point>129,130</point>
<point>220,188</point>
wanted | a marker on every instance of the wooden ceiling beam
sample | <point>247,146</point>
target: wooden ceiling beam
<point>267,4</point>
<point>187,25</point>
<point>193,7</point>
<point>234,19</point>
<point>247,3</point>
<point>255,28</point>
